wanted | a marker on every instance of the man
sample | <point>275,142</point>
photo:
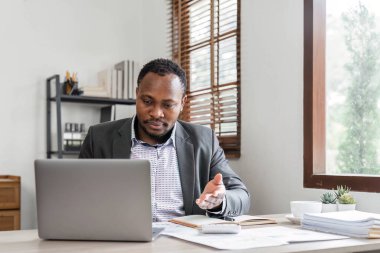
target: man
<point>190,174</point>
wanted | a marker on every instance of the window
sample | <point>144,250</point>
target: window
<point>342,94</point>
<point>206,43</point>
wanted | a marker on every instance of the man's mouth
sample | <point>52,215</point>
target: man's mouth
<point>155,124</point>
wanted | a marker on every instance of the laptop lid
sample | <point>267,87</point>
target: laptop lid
<point>94,199</point>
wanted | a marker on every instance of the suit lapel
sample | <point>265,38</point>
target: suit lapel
<point>122,141</point>
<point>185,155</point>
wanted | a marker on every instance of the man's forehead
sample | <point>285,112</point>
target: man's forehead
<point>156,81</point>
<point>153,75</point>
<point>154,97</point>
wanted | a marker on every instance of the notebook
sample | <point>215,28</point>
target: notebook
<point>196,221</point>
<point>94,199</point>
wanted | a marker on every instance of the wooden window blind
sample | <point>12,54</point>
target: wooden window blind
<point>206,43</point>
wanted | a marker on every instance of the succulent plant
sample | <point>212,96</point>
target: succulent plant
<point>340,190</point>
<point>346,198</point>
<point>328,198</point>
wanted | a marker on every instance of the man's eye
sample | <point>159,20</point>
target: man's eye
<point>168,106</point>
<point>147,101</point>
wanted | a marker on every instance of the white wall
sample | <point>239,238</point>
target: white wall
<point>155,29</point>
<point>272,107</point>
<point>40,38</point>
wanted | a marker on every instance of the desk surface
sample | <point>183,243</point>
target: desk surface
<point>27,241</point>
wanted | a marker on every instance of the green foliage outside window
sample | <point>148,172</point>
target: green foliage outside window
<point>357,150</point>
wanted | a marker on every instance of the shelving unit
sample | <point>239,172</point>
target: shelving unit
<point>59,98</point>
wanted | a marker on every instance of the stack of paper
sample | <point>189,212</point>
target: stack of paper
<point>349,223</point>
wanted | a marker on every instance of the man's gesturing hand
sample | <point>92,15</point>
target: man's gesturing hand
<point>213,194</point>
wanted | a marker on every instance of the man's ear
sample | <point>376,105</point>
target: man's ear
<point>183,101</point>
<point>137,90</point>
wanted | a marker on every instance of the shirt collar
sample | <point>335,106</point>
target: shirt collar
<point>135,141</point>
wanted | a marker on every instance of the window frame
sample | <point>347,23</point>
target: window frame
<point>314,108</point>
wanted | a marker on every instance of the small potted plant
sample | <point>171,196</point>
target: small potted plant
<point>346,202</point>
<point>328,200</point>
<point>340,190</point>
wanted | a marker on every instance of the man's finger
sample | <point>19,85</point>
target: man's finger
<point>220,195</point>
<point>203,197</point>
<point>218,179</point>
<point>209,199</point>
<point>209,205</point>
<point>213,200</point>
<point>214,195</point>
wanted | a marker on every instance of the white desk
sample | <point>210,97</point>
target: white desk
<point>27,241</point>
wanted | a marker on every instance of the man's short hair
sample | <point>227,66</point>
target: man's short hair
<point>163,67</point>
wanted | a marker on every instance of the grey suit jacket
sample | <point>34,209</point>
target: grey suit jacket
<point>200,158</point>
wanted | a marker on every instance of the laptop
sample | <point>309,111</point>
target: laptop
<point>94,199</point>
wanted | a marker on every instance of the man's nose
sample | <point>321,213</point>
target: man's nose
<point>157,112</point>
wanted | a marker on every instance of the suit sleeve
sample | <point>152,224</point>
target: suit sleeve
<point>86,150</point>
<point>237,196</point>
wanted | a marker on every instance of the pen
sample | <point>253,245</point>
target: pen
<point>228,218</point>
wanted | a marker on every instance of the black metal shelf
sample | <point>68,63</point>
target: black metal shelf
<point>94,100</point>
<point>59,98</point>
<point>53,152</point>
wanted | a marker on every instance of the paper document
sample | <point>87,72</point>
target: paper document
<point>295,235</point>
<point>248,238</point>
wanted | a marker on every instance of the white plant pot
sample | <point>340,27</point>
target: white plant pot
<point>346,207</point>
<point>326,208</point>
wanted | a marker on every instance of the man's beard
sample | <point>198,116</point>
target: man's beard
<point>158,138</point>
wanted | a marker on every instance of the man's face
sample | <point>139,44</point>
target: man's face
<point>159,101</point>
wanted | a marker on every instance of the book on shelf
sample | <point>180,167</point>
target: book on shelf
<point>196,221</point>
<point>349,223</point>
<point>124,81</point>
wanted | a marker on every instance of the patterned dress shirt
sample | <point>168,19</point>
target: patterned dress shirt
<point>167,199</point>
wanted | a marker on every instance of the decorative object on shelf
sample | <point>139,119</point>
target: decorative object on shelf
<point>102,88</point>
<point>70,85</point>
<point>346,202</point>
<point>328,200</point>
<point>9,202</point>
<point>73,136</point>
